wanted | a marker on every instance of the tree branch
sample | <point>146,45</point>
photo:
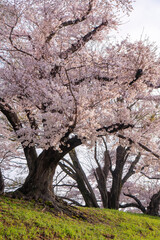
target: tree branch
<point>152,178</point>
<point>139,204</point>
<point>115,127</point>
<point>82,41</point>
<point>131,169</point>
<point>10,115</point>
<point>64,185</point>
<point>103,79</point>
<point>140,144</point>
<point>4,60</point>
<point>30,152</point>
<point>132,205</point>
<point>69,163</point>
<point>14,46</point>
<point>31,119</point>
<point>139,73</point>
<point>82,175</point>
<point>109,158</point>
<point>70,144</point>
<point>71,22</point>
<point>73,201</point>
<point>68,170</point>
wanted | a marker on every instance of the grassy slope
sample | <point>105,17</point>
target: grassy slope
<point>25,220</point>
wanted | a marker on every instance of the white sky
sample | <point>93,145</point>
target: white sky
<point>145,18</point>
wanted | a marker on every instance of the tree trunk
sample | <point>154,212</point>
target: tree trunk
<point>87,196</point>
<point>1,183</point>
<point>121,156</point>
<point>101,175</point>
<point>153,208</point>
<point>39,182</point>
<point>83,183</point>
<point>113,197</point>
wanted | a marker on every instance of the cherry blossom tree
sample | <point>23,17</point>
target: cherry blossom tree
<point>110,179</point>
<point>62,82</point>
<point>108,171</point>
<point>144,192</point>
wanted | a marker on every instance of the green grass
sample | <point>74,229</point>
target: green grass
<point>25,220</point>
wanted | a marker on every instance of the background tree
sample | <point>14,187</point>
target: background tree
<point>145,193</point>
<point>109,189</point>
<point>56,92</point>
<point>108,172</point>
<point>75,171</point>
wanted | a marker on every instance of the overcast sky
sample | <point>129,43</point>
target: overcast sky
<point>145,19</point>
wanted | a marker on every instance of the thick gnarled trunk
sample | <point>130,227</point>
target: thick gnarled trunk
<point>39,182</point>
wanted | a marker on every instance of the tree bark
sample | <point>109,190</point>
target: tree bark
<point>100,177</point>
<point>121,157</point>
<point>83,183</point>
<point>153,208</point>
<point>1,183</point>
<point>136,204</point>
<point>39,182</point>
<point>76,172</point>
<point>101,174</point>
<point>87,196</point>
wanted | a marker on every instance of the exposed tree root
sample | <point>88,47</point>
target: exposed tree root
<point>55,204</point>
